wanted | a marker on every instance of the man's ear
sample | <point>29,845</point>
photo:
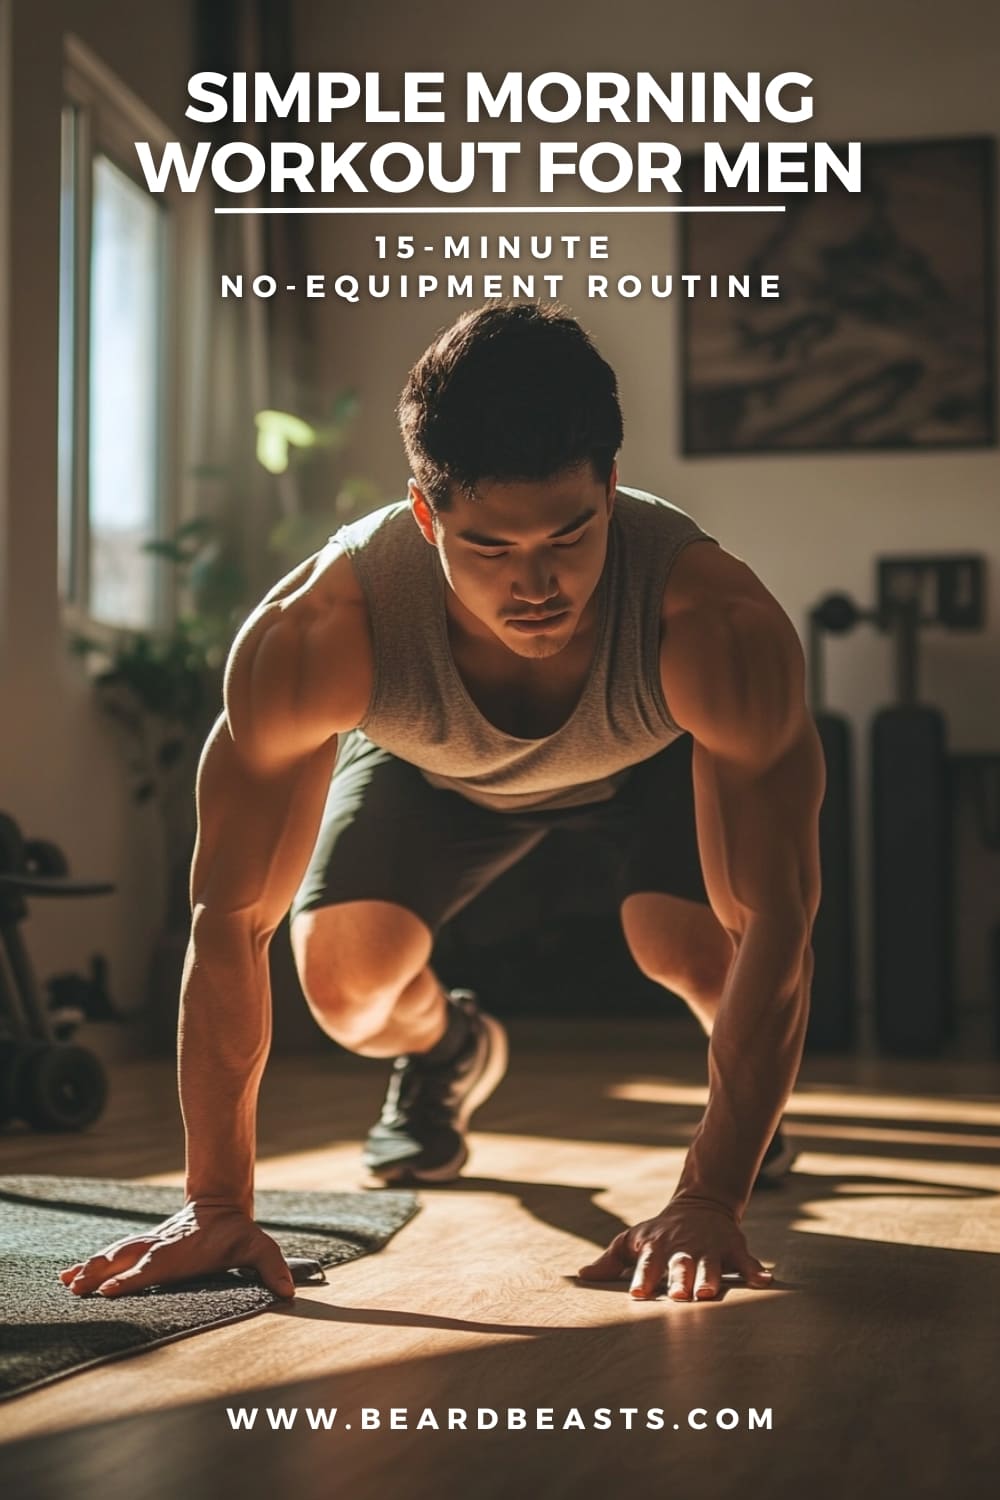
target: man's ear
<point>422,513</point>
<point>612,487</point>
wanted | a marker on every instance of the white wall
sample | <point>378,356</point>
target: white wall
<point>883,70</point>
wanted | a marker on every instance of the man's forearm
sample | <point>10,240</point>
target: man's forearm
<point>223,1042</point>
<point>754,1057</point>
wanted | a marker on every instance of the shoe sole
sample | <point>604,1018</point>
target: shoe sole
<point>489,1080</point>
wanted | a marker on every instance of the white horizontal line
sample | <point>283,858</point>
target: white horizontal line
<point>540,211</point>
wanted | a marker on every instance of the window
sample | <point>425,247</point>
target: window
<point>125,430</point>
<point>118,361</point>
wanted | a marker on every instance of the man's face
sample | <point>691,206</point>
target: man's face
<point>523,559</point>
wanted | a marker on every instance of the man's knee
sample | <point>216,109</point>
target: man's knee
<point>686,971</point>
<point>354,961</point>
<point>678,944</point>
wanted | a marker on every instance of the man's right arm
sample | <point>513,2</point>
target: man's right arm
<point>299,674</point>
<point>256,832</point>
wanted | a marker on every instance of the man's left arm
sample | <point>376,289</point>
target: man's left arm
<point>734,678</point>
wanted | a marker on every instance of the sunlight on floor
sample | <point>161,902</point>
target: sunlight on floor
<point>814,1099</point>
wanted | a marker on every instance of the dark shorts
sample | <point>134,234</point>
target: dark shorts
<point>388,835</point>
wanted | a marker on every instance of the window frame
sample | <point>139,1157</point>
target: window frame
<point>109,119</point>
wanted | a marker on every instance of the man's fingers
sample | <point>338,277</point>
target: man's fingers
<point>709,1245</point>
<point>85,1275</point>
<point>131,1265</point>
<point>127,1242</point>
<point>147,1273</point>
<point>618,1257</point>
<point>274,1272</point>
<point>98,1268</point>
<point>156,1269</point>
<point>753,1273</point>
<point>648,1271</point>
<point>680,1278</point>
<point>708,1279</point>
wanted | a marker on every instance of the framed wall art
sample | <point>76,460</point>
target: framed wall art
<point>882,336</point>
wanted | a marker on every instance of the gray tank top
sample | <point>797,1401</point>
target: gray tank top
<point>421,711</point>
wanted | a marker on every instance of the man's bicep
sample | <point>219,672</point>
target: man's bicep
<point>734,676</point>
<point>735,679</point>
<point>758,832</point>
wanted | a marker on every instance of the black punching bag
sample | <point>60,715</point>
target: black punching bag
<point>911,869</point>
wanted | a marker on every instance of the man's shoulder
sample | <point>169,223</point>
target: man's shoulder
<point>703,577</point>
<point>714,584</point>
<point>643,505</point>
<point>389,522</point>
<point>727,648</point>
<point>316,587</point>
<point>322,613</point>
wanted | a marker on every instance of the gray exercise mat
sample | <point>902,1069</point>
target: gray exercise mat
<point>49,1222</point>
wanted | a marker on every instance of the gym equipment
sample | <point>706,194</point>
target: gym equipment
<point>834,987</point>
<point>911,860</point>
<point>51,1084</point>
<point>911,853</point>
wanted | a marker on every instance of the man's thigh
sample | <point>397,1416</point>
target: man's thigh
<point>387,835</point>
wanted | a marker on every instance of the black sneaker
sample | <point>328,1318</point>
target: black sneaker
<point>420,1136</point>
<point>777,1163</point>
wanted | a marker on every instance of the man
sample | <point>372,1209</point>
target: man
<point>521,646</point>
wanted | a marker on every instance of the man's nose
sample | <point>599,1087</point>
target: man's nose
<point>535,583</point>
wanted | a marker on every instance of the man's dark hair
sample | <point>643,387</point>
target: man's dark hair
<point>511,391</point>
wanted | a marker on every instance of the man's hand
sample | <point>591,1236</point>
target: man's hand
<point>692,1244</point>
<point>197,1240</point>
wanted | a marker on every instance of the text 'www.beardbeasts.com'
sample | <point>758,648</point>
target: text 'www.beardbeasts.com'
<point>490,1419</point>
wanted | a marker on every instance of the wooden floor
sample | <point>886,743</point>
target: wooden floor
<point>876,1353</point>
